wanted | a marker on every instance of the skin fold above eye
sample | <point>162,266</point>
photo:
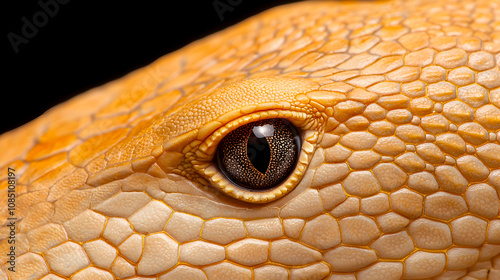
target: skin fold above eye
<point>396,155</point>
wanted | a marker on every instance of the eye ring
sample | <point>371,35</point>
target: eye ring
<point>201,155</point>
<point>260,155</point>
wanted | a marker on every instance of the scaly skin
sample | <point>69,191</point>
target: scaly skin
<point>399,178</point>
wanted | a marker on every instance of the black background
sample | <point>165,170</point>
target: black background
<point>88,43</point>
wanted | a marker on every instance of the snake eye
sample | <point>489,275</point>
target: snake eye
<point>260,155</point>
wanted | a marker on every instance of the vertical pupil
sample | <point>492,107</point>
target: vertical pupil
<point>258,150</point>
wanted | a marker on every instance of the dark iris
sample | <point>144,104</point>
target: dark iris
<point>259,155</point>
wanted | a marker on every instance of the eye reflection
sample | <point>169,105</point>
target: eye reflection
<point>260,155</point>
<point>266,130</point>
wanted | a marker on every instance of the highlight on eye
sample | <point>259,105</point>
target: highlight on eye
<point>260,155</point>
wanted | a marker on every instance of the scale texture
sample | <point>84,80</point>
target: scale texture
<point>398,104</point>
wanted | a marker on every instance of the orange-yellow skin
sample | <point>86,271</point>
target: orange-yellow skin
<point>398,104</point>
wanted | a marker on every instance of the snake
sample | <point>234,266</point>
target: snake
<point>315,140</point>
